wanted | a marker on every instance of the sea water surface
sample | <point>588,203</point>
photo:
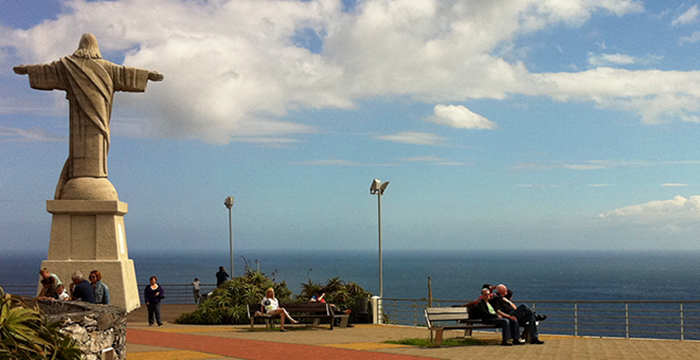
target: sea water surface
<point>536,275</point>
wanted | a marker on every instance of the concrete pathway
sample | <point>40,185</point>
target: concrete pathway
<point>174,341</point>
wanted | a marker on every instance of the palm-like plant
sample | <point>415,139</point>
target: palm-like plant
<point>228,303</point>
<point>25,333</point>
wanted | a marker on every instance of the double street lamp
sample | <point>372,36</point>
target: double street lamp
<point>229,204</point>
<point>377,188</point>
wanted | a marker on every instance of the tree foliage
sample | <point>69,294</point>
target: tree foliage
<point>227,304</point>
<point>25,332</point>
<point>343,295</point>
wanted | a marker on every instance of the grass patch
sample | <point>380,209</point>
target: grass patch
<point>422,342</point>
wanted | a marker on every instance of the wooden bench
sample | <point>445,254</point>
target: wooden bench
<point>435,318</point>
<point>315,311</point>
<point>462,319</point>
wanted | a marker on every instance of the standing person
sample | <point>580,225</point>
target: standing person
<point>221,276</point>
<point>82,289</point>
<point>195,290</point>
<point>101,290</point>
<point>269,305</point>
<point>153,294</point>
<point>507,323</point>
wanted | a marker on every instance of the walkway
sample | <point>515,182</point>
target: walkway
<point>174,342</point>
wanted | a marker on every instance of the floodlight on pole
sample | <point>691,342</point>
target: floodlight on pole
<point>229,204</point>
<point>377,188</point>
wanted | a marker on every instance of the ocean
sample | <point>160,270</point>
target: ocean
<point>533,275</point>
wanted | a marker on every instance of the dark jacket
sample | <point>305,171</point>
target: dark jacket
<point>498,303</point>
<point>221,277</point>
<point>482,310</point>
<point>83,291</point>
<point>150,296</point>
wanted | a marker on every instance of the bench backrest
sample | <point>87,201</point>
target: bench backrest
<point>307,307</point>
<point>433,314</point>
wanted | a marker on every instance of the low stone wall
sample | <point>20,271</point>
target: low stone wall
<point>94,327</point>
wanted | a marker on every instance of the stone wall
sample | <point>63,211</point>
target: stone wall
<point>94,327</point>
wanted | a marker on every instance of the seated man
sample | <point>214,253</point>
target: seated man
<point>507,323</point>
<point>82,290</point>
<point>524,315</point>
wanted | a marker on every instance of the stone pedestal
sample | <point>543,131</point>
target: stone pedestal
<point>89,235</point>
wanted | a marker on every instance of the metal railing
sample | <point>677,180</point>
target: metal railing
<point>626,319</point>
<point>174,293</point>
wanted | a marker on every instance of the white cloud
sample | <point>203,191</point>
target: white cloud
<point>677,209</point>
<point>620,59</point>
<point>690,16</point>
<point>237,68</point>
<point>33,134</point>
<point>609,59</point>
<point>423,159</point>
<point>674,185</point>
<point>584,166</point>
<point>460,117</point>
<point>338,162</point>
<point>693,38</point>
<point>414,138</point>
<point>656,96</point>
<point>434,160</point>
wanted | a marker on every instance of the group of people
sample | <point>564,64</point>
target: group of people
<point>496,307</point>
<point>93,291</point>
<point>96,292</point>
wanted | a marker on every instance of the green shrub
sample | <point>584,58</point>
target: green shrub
<point>342,295</point>
<point>25,332</point>
<point>227,304</point>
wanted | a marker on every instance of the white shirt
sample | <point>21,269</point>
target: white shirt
<point>272,304</point>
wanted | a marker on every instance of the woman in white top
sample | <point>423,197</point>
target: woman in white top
<point>270,306</point>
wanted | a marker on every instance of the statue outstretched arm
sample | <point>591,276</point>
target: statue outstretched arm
<point>155,76</point>
<point>21,70</point>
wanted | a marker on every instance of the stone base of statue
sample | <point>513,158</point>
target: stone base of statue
<point>89,235</point>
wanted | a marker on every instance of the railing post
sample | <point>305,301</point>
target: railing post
<point>415,316</point>
<point>575,319</point>
<point>627,321</point>
<point>376,309</point>
<point>682,324</point>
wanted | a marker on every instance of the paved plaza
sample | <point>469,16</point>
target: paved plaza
<point>174,341</point>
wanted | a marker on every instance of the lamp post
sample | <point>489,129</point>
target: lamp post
<point>229,204</point>
<point>377,188</point>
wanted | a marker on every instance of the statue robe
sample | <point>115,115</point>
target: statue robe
<point>89,85</point>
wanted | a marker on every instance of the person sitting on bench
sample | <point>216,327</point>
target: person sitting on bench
<point>524,314</point>
<point>320,297</point>
<point>270,306</point>
<point>507,323</point>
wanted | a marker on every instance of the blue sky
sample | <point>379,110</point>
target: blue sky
<point>501,124</point>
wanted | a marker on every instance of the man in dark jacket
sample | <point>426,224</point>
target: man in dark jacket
<point>525,315</point>
<point>221,276</point>
<point>507,323</point>
<point>82,289</point>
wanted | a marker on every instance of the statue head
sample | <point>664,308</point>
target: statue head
<point>88,48</point>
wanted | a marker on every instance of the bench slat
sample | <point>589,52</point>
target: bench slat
<point>299,310</point>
